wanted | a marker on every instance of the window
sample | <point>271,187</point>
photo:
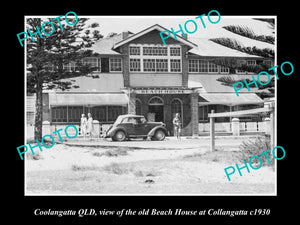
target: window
<point>224,69</point>
<point>175,51</point>
<point>203,113</point>
<point>113,112</point>
<point>72,114</point>
<point>156,101</point>
<point>193,65</point>
<point>154,58</point>
<point>149,65</point>
<point>251,62</point>
<point>69,67</point>
<point>268,63</point>
<point>99,113</point>
<point>155,65</point>
<point>203,66</point>
<point>157,50</point>
<point>59,114</point>
<point>92,62</point>
<point>161,65</point>
<point>175,65</point>
<point>135,65</point>
<point>212,68</point>
<point>134,50</point>
<point>115,64</point>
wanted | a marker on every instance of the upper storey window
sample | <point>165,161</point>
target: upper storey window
<point>154,58</point>
<point>206,66</point>
<point>134,50</point>
<point>156,50</point>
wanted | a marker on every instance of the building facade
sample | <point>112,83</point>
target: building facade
<point>137,74</point>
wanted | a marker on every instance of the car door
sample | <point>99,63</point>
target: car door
<point>127,124</point>
<point>140,127</point>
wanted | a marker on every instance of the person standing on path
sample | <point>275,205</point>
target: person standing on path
<point>83,125</point>
<point>177,125</point>
<point>89,127</point>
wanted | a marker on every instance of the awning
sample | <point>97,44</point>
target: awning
<point>229,99</point>
<point>64,99</point>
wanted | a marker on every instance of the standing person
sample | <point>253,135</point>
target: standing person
<point>83,123</point>
<point>177,125</point>
<point>89,127</point>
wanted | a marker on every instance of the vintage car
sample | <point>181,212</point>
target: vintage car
<point>135,126</point>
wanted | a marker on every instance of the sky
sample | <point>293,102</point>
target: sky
<point>117,24</point>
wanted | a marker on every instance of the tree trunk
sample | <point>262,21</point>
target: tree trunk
<point>38,123</point>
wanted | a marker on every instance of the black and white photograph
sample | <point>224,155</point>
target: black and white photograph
<point>154,116</point>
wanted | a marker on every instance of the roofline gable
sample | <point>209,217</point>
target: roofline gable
<point>149,29</point>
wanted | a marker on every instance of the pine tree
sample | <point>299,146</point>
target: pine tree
<point>234,44</point>
<point>47,56</point>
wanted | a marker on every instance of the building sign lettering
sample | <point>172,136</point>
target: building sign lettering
<point>162,91</point>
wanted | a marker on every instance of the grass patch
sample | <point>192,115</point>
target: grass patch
<point>112,153</point>
<point>116,168</point>
<point>141,173</point>
<point>249,148</point>
<point>136,170</point>
<point>216,156</point>
<point>83,168</point>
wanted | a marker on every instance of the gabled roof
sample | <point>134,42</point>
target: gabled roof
<point>149,29</point>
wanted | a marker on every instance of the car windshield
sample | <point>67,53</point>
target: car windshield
<point>118,120</point>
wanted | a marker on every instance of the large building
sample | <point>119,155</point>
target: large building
<point>137,74</point>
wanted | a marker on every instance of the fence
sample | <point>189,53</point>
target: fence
<point>236,126</point>
<point>50,128</point>
<point>244,127</point>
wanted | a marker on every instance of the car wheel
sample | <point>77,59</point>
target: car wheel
<point>119,136</point>
<point>159,135</point>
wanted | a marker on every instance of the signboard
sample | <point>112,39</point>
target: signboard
<point>162,91</point>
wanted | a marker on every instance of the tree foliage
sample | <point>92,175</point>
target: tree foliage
<point>264,90</point>
<point>247,32</point>
<point>234,44</point>
<point>47,55</point>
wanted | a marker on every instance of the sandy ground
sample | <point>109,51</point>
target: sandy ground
<point>94,170</point>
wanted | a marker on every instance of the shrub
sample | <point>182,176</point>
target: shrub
<point>255,147</point>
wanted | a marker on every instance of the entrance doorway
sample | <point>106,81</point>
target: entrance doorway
<point>156,109</point>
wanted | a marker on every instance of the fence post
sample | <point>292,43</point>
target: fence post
<point>212,132</point>
<point>235,127</point>
<point>267,125</point>
<point>46,128</point>
<point>96,126</point>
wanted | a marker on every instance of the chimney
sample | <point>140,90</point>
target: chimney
<point>125,34</point>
